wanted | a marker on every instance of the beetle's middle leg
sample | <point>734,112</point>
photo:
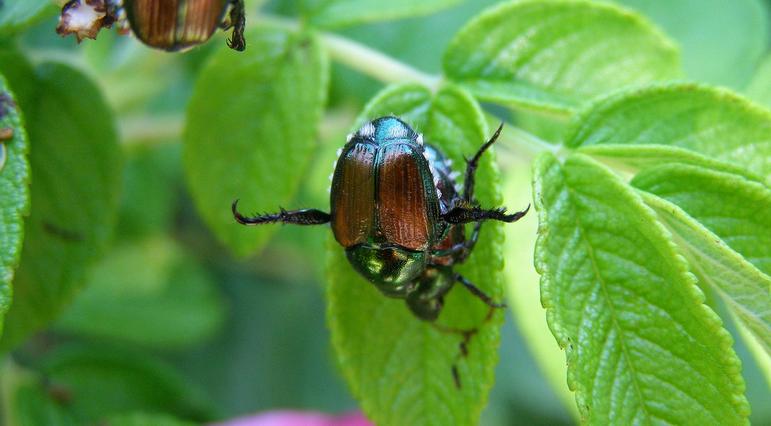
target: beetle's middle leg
<point>461,250</point>
<point>295,217</point>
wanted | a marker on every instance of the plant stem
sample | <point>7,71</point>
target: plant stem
<point>140,130</point>
<point>522,140</point>
<point>356,56</point>
<point>374,63</point>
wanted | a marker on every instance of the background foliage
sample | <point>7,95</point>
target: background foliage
<point>640,130</point>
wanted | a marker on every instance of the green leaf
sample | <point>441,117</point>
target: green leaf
<point>16,15</point>
<point>398,367</point>
<point>151,189</point>
<point>712,122</point>
<point>150,293</point>
<point>760,86</point>
<point>143,419</point>
<point>721,41</point>
<point>76,170</point>
<point>641,346</point>
<point>741,285</point>
<point>636,157</point>
<point>555,54</point>
<point>33,406</point>
<point>523,293</point>
<point>339,13</point>
<point>14,194</point>
<point>102,381</point>
<point>267,104</point>
<point>721,222</point>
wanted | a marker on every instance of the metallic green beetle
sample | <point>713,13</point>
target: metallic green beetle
<point>396,210</point>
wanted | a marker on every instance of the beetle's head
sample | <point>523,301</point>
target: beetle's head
<point>392,269</point>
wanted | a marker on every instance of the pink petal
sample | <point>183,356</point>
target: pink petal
<point>298,418</point>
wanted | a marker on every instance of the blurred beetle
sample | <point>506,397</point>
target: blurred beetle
<point>163,24</point>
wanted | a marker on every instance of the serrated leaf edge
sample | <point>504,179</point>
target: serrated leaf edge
<point>666,207</point>
<point>726,355</point>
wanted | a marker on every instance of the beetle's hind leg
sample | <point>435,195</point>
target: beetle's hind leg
<point>295,217</point>
<point>477,292</point>
<point>237,20</point>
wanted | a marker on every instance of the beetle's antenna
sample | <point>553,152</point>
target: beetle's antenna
<point>294,217</point>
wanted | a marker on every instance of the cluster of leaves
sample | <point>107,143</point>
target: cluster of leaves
<point>620,260</point>
<point>652,195</point>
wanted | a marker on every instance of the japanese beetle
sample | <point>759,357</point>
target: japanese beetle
<point>163,24</point>
<point>397,211</point>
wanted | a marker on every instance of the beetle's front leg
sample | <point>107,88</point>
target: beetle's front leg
<point>473,163</point>
<point>238,22</point>
<point>295,217</point>
<point>463,214</point>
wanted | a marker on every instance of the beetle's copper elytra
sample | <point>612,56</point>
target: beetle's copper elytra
<point>163,24</point>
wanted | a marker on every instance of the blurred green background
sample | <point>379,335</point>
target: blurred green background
<point>170,321</point>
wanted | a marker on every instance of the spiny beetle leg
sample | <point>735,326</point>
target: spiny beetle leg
<point>295,217</point>
<point>238,22</point>
<point>477,292</point>
<point>473,163</point>
<point>459,215</point>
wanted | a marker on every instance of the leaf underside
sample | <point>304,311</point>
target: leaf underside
<point>267,106</point>
<point>721,221</point>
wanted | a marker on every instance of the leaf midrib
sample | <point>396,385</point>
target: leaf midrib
<point>613,315</point>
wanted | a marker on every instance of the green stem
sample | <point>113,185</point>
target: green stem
<point>374,63</point>
<point>355,55</point>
